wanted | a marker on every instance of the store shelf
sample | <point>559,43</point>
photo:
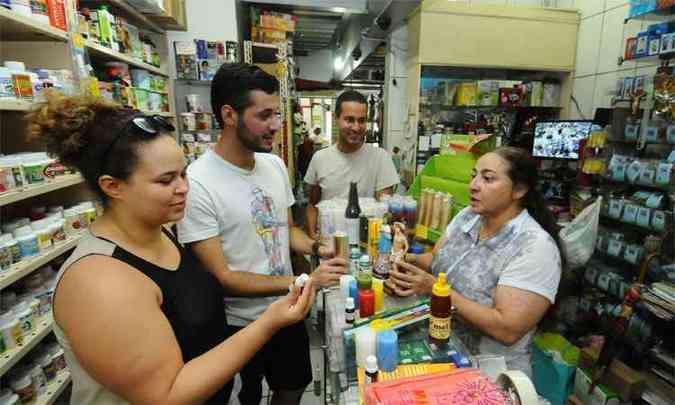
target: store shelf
<point>123,9</point>
<point>658,15</point>
<point>161,113</point>
<point>487,107</point>
<point>652,58</point>
<point>25,267</point>
<point>16,27</point>
<point>29,191</point>
<point>152,91</point>
<point>54,389</point>
<point>104,53</point>
<point>194,82</point>
<point>9,358</point>
<point>16,105</point>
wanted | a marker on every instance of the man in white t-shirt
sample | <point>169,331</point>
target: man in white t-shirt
<point>238,223</point>
<point>349,160</point>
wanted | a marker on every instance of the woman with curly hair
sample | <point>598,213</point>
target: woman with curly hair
<point>139,319</point>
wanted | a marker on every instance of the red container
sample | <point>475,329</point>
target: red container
<point>366,303</point>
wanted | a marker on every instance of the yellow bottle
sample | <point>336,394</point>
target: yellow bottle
<point>439,322</point>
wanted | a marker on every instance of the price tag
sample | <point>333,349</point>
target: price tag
<point>652,134</point>
<point>647,177</point>
<point>615,207</point>
<point>630,214</point>
<point>643,217</point>
<point>659,220</point>
<point>614,248</point>
<point>663,173</point>
<point>632,253</point>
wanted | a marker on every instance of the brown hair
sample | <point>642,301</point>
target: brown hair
<point>84,132</point>
<point>523,170</point>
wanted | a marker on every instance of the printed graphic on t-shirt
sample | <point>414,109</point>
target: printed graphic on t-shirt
<point>268,228</point>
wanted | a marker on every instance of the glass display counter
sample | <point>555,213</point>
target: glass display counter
<point>407,316</point>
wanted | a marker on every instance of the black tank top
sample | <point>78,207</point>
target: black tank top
<point>193,299</point>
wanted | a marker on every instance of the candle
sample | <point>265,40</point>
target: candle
<point>365,341</point>
<point>378,289</point>
<point>387,350</point>
<point>345,280</point>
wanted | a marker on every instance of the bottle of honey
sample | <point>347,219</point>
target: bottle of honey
<point>439,323</point>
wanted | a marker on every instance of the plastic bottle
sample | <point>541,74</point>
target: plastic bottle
<point>28,241</point>
<point>11,330</point>
<point>371,369</point>
<point>350,309</point>
<point>39,379</point>
<point>22,7</point>
<point>6,85</point>
<point>43,233</point>
<point>104,26</point>
<point>364,265</point>
<point>89,212</point>
<point>354,292</point>
<point>6,255</point>
<point>25,316</point>
<point>59,359</point>
<point>439,322</point>
<point>354,257</point>
<point>73,223</point>
<point>22,385</point>
<point>38,94</point>
<point>366,344</point>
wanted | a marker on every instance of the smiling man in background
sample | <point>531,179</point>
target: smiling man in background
<point>350,160</point>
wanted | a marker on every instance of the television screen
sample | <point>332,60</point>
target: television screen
<point>559,139</point>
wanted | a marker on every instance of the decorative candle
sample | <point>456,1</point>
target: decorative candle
<point>387,350</point>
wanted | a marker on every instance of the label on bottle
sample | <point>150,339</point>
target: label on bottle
<point>349,316</point>
<point>439,328</point>
<point>353,230</point>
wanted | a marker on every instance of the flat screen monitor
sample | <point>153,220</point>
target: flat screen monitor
<point>559,139</point>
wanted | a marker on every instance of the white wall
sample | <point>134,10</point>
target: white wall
<point>214,20</point>
<point>395,96</point>
<point>602,35</point>
<point>318,65</point>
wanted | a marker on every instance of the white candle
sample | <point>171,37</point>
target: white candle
<point>366,345</point>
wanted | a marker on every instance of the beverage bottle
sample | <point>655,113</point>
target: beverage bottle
<point>381,269</point>
<point>352,214</point>
<point>439,322</point>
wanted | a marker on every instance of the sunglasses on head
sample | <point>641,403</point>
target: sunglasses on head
<point>146,125</point>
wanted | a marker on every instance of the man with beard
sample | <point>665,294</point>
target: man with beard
<point>350,160</point>
<point>238,223</point>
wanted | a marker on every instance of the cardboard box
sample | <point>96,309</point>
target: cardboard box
<point>534,95</point>
<point>667,43</point>
<point>626,382</point>
<point>601,395</point>
<point>631,48</point>
<point>511,97</point>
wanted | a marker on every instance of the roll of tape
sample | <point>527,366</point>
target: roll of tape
<point>519,386</point>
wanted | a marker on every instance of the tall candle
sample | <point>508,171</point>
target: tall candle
<point>365,340</point>
<point>387,350</point>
